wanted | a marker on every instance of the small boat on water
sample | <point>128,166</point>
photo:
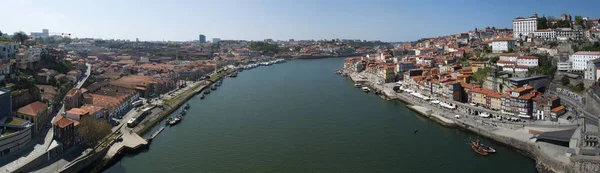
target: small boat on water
<point>337,71</point>
<point>366,89</point>
<point>479,150</point>
<point>206,91</point>
<point>416,130</point>
<point>357,85</point>
<point>234,74</point>
<point>219,83</point>
<point>182,113</point>
<point>202,96</point>
<point>213,87</point>
<point>187,106</point>
<point>485,148</point>
<point>173,121</point>
<point>344,74</point>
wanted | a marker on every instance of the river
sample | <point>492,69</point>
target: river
<point>300,117</point>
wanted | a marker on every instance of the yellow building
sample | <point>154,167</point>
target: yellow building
<point>37,113</point>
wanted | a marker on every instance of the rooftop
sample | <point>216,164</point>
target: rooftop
<point>587,53</point>
<point>32,109</point>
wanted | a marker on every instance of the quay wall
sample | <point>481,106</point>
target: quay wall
<point>544,162</point>
<point>85,162</point>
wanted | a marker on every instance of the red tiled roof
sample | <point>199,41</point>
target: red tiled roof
<point>503,39</point>
<point>558,109</point>
<point>587,53</point>
<point>32,109</point>
<point>509,54</point>
<point>527,57</point>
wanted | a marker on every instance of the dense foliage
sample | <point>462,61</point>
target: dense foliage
<point>264,47</point>
<point>544,67</point>
<point>480,75</point>
<point>93,130</point>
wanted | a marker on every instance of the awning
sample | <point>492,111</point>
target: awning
<point>485,115</point>
<point>524,116</point>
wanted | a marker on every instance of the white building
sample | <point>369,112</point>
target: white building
<point>524,26</point>
<point>502,44</point>
<point>509,57</point>
<point>515,68</point>
<point>590,72</point>
<point>568,33</point>
<point>564,66</point>
<point>580,59</point>
<point>529,61</point>
<point>43,34</point>
<point>546,34</point>
<point>8,51</point>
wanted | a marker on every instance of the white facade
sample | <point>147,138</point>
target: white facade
<point>529,61</point>
<point>546,34</point>
<point>502,45</point>
<point>580,59</point>
<point>564,66</point>
<point>29,55</point>
<point>509,57</point>
<point>8,51</point>
<point>524,26</point>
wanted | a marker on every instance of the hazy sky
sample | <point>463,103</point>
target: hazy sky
<point>386,20</point>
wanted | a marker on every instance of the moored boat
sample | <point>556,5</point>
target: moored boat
<point>173,121</point>
<point>234,74</point>
<point>479,150</point>
<point>485,148</point>
<point>202,96</point>
<point>207,91</point>
<point>337,71</point>
<point>213,87</point>
<point>366,89</point>
<point>187,106</point>
<point>357,85</point>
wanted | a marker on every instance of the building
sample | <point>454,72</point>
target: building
<point>37,113</point>
<point>65,131</point>
<point>568,33</point>
<point>581,58</point>
<point>5,103</point>
<point>519,101</point>
<point>564,66</point>
<point>530,61</point>
<point>15,133</point>
<point>74,98</point>
<point>8,51</point>
<point>546,34</point>
<point>77,113</point>
<point>524,26</point>
<point>500,45</point>
<point>216,40</point>
<point>202,38</point>
<point>44,34</point>
<point>590,71</point>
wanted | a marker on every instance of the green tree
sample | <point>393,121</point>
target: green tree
<point>494,59</point>
<point>66,40</point>
<point>565,80</point>
<point>579,21</point>
<point>542,22</point>
<point>0,33</point>
<point>580,87</point>
<point>93,131</point>
<point>511,50</point>
<point>486,48</point>
<point>20,37</point>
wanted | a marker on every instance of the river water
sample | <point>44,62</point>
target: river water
<point>300,117</point>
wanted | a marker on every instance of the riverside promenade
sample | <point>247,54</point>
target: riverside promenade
<point>549,157</point>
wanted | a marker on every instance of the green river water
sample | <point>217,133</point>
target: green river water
<point>299,117</point>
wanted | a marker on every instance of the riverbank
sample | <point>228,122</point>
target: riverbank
<point>548,157</point>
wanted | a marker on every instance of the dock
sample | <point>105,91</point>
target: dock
<point>131,141</point>
<point>157,132</point>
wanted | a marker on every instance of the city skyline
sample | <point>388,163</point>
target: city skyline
<point>383,20</point>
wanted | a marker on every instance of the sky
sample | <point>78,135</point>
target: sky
<point>184,20</point>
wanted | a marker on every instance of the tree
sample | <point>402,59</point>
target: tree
<point>565,80</point>
<point>20,37</point>
<point>0,33</point>
<point>66,40</point>
<point>511,50</point>
<point>579,21</point>
<point>580,87</point>
<point>542,22</point>
<point>486,49</point>
<point>494,59</point>
<point>93,131</point>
